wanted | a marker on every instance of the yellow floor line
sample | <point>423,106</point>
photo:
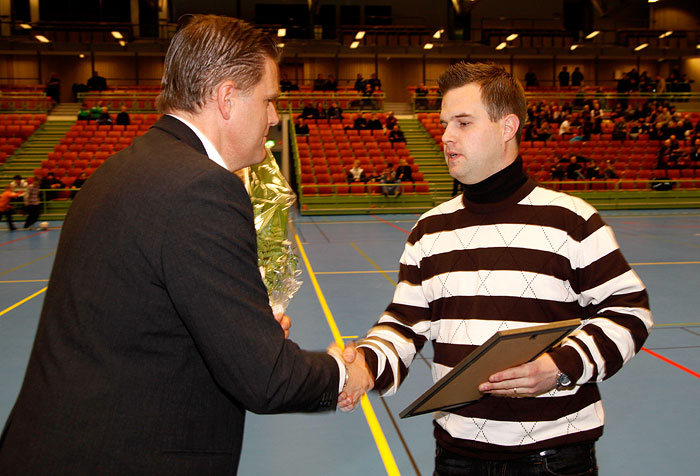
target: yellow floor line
<point>379,270</point>
<point>358,272</point>
<point>21,281</point>
<point>26,264</point>
<point>5,311</point>
<point>370,416</point>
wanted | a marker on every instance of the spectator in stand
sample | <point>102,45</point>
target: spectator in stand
<point>531,79</point>
<point>576,77</point>
<point>565,126</point>
<point>367,101</point>
<point>620,129</point>
<point>544,132</point>
<point>334,112</point>
<point>331,83</point>
<point>396,135</point>
<point>84,113</point>
<point>32,202</point>
<point>356,173</point>
<point>49,183</point>
<point>6,208</point>
<point>374,124</point>
<point>609,172</point>
<point>375,82</point>
<point>105,118</point>
<point>53,88</point>
<point>660,84</point>
<point>309,111</point>
<point>592,170</point>
<point>359,83</point>
<point>78,184</point>
<point>694,155</point>
<point>301,128</point>
<point>420,94</point>
<point>390,121</point>
<point>664,157</point>
<point>96,82</point>
<point>664,117</point>
<point>404,172</point>
<point>389,183</point>
<point>286,85</point>
<point>123,118</point>
<point>564,77</point>
<point>558,169</point>
<point>360,123</point>
<point>573,170</point>
<point>320,113</point>
<point>319,83</point>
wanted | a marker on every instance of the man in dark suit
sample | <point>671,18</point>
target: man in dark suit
<point>156,334</point>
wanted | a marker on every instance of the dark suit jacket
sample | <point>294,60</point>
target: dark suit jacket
<point>156,335</point>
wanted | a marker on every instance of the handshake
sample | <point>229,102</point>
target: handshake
<point>358,378</point>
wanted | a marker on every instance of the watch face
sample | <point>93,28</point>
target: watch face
<point>563,380</point>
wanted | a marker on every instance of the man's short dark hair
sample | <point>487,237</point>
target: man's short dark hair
<point>501,93</point>
<point>206,51</point>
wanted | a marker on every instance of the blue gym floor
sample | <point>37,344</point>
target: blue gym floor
<point>349,268</point>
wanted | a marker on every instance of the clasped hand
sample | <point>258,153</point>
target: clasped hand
<point>359,379</point>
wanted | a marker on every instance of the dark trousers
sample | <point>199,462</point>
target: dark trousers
<point>32,215</point>
<point>575,460</point>
<point>8,214</point>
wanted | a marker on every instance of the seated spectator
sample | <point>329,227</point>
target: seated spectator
<point>544,132</point>
<point>334,112</point>
<point>558,170</point>
<point>396,135</point>
<point>96,82</point>
<point>375,82</point>
<point>319,83</point>
<point>694,155</point>
<point>390,121</point>
<point>374,124</point>
<point>96,110</point>
<point>620,129</point>
<point>592,171</point>
<point>84,113</point>
<point>421,100</point>
<point>48,183</point>
<point>309,111</point>
<point>404,172</point>
<point>609,172</point>
<point>565,126</point>
<point>367,100</point>
<point>573,170</point>
<point>301,128</point>
<point>286,85</point>
<point>123,118</point>
<point>320,112</point>
<point>360,123</point>
<point>105,118</point>
<point>78,184</point>
<point>359,83</point>
<point>356,173</point>
<point>331,83</point>
<point>389,183</point>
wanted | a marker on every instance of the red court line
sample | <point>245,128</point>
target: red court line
<point>23,238</point>
<point>391,224</point>
<point>671,362</point>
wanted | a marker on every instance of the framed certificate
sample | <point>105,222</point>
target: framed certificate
<point>505,349</point>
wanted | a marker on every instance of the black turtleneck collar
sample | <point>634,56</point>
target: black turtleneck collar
<point>498,186</point>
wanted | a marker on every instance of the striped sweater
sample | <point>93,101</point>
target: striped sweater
<point>469,270</point>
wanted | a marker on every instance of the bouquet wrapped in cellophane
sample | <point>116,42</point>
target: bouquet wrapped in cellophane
<point>272,198</point>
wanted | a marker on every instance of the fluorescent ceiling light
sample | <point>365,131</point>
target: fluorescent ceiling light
<point>641,47</point>
<point>26,26</point>
<point>438,34</point>
<point>117,35</point>
<point>282,32</point>
<point>360,35</point>
<point>502,45</point>
<point>354,44</point>
<point>280,45</point>
<point>592,34</point>
<point>122,43</point>
<point>81,55</point>
<point>512,36</point>
<point>653,1</point>
<point>664,35</point>
<point>428,46</point>
<point>42,38</point>
<point>573,47</point>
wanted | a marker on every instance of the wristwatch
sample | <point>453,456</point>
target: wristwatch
<point>564,382</point>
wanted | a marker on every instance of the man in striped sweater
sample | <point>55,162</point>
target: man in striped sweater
<point>506,254</point>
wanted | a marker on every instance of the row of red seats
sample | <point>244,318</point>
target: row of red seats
<point>359,189</point>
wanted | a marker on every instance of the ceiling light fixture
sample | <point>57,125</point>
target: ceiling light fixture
<point>354,44</point>
<point>26,26</point>
<point>502,45</point>
<point>428,46</point>
<point>512,36</point>
<point>641,47</point>
<point>592,34</point>
<point>42,38</point>
<point>664,35</point>
<point>573,47</point>
<point>438,34</point>
<point>360,35</point>
<point>282,32</point>
<point>117,35</point>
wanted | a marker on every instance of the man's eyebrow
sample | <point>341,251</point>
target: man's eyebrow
<point>457,116</point>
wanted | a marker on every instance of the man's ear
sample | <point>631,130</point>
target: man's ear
<point>510,126</point>
<point>226,96</point>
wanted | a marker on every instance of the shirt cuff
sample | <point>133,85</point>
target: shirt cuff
<point>341,373</point>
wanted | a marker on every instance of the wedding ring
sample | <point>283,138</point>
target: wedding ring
<point>515,390</point>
